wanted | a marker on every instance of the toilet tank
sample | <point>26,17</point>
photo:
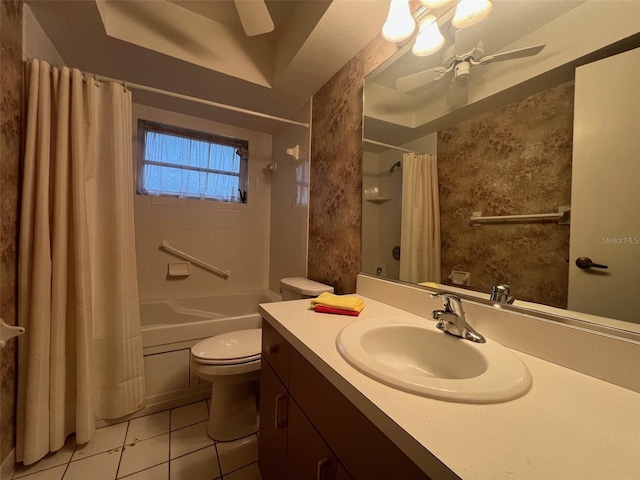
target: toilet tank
<point>295,288</point>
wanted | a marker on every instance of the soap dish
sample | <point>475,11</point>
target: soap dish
<point>179,269</point>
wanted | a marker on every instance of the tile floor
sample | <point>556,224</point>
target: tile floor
<point>169,445</point>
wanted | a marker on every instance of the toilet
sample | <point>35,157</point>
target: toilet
<point>231,362</point>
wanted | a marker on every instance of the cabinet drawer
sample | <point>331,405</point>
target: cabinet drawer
<point>360,446</point>
<point>275,350</point>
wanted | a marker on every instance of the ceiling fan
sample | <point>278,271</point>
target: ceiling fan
<point>459,59</point>
<point>254,16</point>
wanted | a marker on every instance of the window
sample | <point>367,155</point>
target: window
<point>177,162</point>
<point>301,170</point>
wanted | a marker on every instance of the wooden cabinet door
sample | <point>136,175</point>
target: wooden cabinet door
<point>308,457</point>
<point>272,451</point>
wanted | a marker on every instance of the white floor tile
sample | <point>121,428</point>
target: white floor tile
<point>54,473</point>
<point>237,454</point>
<point>104,439</point>
<point>147,427</point>
<point>200,465</point>
<point>188,415</point>
<point>97,467</point>
<point>189,439</point>
<point>144,454</point>
<point>61,457</point>
<point>250,472</point>
<point>159,472</point>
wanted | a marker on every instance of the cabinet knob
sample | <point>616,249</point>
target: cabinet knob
<point>269,349</point>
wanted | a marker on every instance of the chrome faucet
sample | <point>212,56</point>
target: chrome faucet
<point>500,294</point>
<point>454,322</point>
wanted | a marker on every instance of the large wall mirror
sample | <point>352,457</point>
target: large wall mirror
<point>509,157</point>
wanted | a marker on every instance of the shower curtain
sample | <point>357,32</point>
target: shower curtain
<point>81,356</point>
<point>420,232</point>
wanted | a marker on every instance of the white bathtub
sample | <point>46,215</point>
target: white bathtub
<point>191,318</point>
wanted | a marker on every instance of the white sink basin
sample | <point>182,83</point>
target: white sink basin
<point>414,356</point>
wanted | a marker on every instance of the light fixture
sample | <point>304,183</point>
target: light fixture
<point>435,3</point>
<point>400,24</point>
<point>429,40</point>
<point>470,12</point>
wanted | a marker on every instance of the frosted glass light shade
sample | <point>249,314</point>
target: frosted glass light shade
<point>435,3</point>
<point>400,24</point>
<point>470,12</point>
<point>429,40</point>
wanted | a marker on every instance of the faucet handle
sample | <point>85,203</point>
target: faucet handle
<point>448,297</point>
<point>500,294</point>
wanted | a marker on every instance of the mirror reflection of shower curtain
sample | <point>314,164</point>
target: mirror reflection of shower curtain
<point>420,235</point>
<point>81,356</point>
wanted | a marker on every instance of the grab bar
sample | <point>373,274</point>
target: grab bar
<point>562,216</point>
<point>223,273</point>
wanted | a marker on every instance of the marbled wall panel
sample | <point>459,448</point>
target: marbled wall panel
<point>10,147</point>
<point>336,171</point>
<point>515,160</point>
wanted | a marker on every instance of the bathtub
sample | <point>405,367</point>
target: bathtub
<point>185,319</point>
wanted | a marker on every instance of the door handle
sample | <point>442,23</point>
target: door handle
<point>281,411</point>
<point>585,263</point>
<point>323,466</point>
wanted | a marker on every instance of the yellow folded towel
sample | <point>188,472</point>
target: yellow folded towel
<point>342,302</point>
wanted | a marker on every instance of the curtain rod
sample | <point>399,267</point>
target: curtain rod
<point>202,101</point>
<point>373,142</point>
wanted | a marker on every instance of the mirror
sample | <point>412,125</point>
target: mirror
<point>503,135</point>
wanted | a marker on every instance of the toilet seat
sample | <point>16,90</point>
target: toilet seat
<point>231,348</point>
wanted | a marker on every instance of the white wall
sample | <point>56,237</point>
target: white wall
<point>289,217</point>
<point>36,43</point>
<point>227,235</point>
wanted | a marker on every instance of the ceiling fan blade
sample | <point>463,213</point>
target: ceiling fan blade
<point>458,95</point>
<point>512,55</point>
<point>419,79</point>
<point>254,16</point>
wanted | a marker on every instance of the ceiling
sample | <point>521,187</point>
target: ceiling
<point>198,48</point>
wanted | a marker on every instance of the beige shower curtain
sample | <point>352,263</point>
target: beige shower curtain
<point>420,232</point>
<point>81,356</point>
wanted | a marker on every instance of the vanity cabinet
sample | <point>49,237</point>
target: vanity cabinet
<point>309,430</point>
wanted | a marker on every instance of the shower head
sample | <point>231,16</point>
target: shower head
<point>394,166</point>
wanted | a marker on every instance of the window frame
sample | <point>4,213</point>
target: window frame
<point>162,128</point>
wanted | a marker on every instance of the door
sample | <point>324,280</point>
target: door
<point>308,456</point>
<point>605,192</point>
<point>272,442</point>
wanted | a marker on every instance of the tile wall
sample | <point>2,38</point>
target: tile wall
<point>10,148</point>
<point>229,236</point>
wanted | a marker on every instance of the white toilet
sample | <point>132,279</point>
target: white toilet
<point>231,362</point>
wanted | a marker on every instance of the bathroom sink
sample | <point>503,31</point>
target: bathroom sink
<point>414,356</point>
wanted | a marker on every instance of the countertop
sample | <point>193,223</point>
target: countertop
<point>568,426</point>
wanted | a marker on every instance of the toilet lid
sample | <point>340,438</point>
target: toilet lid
<point>228,348</point>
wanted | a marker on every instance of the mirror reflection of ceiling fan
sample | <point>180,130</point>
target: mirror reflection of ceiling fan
<point>254,16</point>
<point>459,59</point>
